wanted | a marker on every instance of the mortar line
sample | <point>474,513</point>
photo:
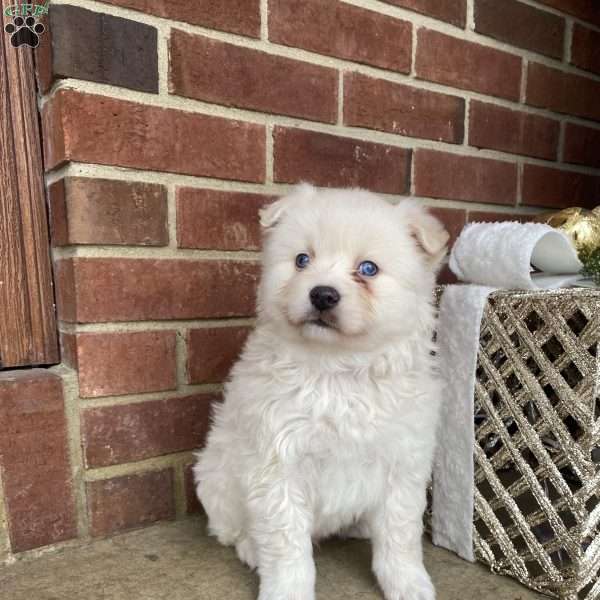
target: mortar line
<point>181,357</point>
<point>523,82</point>
<point>28,556</point>
<point>269,153</point>
<point>519,183</point>
<point>172,216</point>
<point>412,187</point>
<point>132,326</point>
<point>140,467</point>
<point>478,206</point>
<point>340,93</point>
<point>114,172</point>
<point>466,128</point>
<point>162,49</point>
<point>568,41</point>
<point>562,132</point>
<point>182,392</point>
<point>5,549</point>
<point>166,252</point>
<point>57,174</point>
<point>71,399</point>
<point>179,490</point>
<point>264,20</point>
<point>470,20</point>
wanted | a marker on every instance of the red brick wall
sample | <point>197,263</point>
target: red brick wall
<point>168,123</point>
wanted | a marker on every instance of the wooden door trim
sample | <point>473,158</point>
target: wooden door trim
<point>28,334</point>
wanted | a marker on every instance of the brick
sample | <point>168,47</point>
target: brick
<point>585,49</point>
<point>34,461</point>
<point>396,108</point>
<point>192,503</point>
<point>452,11</point>
<point>130,501</point>
<point>454,219</point>
<point>446,276</point>
<point>108,131</point>
<point>216,220</point>
<point>545,186</point>
<point>586,10</point>
<point>498,128</point>
<point>562,92</point>
<point>582,145</point>
<point>521,25</point>
<point>125,363</point>
<point>131,432</point>
<point>92,290</point>
<point>331,161</point>
<point>341,30</point>
<point>212,352</point>
<point>467,65</point>
<point>443,175</point>
<point>222,73</point>
<point>84,210</point>
<point>83,46</point>
<point>235,16</point>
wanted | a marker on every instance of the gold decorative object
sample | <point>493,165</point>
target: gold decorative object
<point>583,226</point>
<point>537,440</point>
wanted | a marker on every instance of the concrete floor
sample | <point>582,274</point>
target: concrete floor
<point>176,561</point>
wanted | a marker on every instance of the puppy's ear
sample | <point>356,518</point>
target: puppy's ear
<point>271,214</point>
<point>429,232</point>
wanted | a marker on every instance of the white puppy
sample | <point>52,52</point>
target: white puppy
<point>328,424</point>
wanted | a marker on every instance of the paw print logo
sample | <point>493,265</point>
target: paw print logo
<point>24,32</point>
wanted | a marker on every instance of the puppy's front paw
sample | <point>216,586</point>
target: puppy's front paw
<point>283,591</point>
<point>294,582</point>
<point>411,583</point>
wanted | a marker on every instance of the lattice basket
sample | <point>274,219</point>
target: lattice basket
<point>537,440</point>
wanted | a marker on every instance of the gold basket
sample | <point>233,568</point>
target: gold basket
<point>537,433</point>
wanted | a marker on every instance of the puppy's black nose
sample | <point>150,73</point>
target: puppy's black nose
<point>323,297</point>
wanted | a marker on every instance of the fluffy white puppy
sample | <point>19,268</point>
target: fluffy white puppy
<point>329,419</point>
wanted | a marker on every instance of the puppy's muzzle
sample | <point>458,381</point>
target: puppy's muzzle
<point>324,297</point>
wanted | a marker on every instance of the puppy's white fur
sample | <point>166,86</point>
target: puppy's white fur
<point>330,430</point>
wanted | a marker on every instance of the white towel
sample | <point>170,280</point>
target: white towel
<point>501,254</point>
<point>493,255</point>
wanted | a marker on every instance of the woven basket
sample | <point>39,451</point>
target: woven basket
<point>537,432</point>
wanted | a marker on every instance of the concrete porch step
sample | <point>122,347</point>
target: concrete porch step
<point>177,561</point>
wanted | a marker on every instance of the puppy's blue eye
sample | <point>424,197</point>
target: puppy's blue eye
<point>368,268</point>
<point>302,260</point>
